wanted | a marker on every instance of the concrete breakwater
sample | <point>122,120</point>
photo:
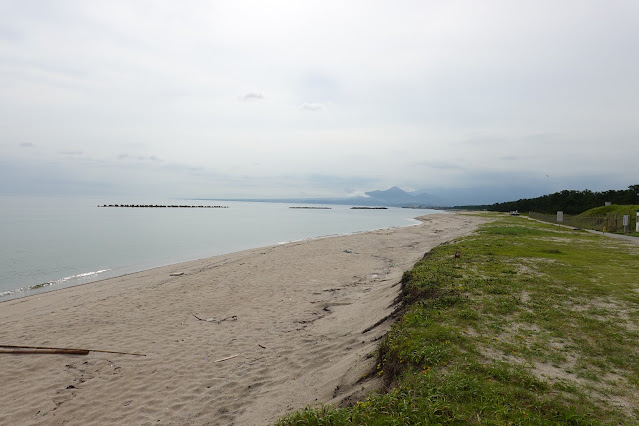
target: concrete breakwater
<point>369,208</point>
<point>163,206</point>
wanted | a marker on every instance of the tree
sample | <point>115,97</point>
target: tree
<point>570,201</point>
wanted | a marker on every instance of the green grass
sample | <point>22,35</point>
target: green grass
<point>533,324</point>
<point>614,209</point>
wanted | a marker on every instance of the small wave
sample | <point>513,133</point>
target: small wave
<point>33,287</point>
<point>86,274</point>
<point>50,283</point>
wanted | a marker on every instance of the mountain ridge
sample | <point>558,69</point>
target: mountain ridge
<point>392,197</point>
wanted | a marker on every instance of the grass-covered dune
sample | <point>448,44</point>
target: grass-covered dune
<point>613,209</point>
<point>532,324</point>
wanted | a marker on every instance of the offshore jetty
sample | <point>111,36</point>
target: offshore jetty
<point>369,208</point>
<point>163,206</point>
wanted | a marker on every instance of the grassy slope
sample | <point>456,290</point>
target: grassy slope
<point>533,324</point>
<point>614,209</point>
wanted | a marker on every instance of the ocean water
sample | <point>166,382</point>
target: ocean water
<point>47,244</point>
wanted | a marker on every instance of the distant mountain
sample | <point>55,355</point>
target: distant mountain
<point>398,197</point>
<point>392,196</point>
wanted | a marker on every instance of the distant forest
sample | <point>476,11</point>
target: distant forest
<point>568,201</point>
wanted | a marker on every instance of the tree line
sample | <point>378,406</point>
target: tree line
<point>568,201</point>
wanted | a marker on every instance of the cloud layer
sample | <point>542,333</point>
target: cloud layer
<point>323,98</point>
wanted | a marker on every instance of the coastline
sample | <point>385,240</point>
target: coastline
<point>93,254</point>
<point>290,332</point>
<point>123,271</point>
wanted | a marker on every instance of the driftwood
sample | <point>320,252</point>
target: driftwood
<point>228,357</point>
<point>43,349</point>
<point>231,318</point>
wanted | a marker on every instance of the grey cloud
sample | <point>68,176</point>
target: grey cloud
<point>474,140</point>
<point>251,97</point>
<point>152,158</point>
<point>10,35</point>
<point>311,106</point>
<point>184,168</point>
<point>320,86</point>
<point>512,157</point>
<point>342,181</point>
<point>542,137</point>
<point>529,92</point>
<point>71,153</point>
<point>437,165</point>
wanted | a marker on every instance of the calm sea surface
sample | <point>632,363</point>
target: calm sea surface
<point>46,244</point>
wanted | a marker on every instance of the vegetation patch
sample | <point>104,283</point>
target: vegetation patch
<point>569,201</point>
<point>532,324</point>
<point>613,209</point>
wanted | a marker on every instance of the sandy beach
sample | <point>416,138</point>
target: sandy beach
<point>236,339</point>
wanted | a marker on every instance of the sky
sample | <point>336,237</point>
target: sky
<point>234,99</point>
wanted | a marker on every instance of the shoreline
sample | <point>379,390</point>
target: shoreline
<point>41,288</point>
<point>287,329</point>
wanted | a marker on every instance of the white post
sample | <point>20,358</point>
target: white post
<point>626,222</point>
<point>637,224</point>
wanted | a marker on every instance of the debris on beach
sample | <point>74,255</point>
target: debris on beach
<point>228,357</point>
<point>23,350</point>
<point>231,318</point>
<point>177,274</point>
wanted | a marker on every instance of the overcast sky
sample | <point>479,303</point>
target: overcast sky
<point>317,98</point>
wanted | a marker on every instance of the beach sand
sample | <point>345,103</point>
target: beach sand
<point>288,331</point>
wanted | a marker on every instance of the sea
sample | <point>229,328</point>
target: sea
<point>52,243</point>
